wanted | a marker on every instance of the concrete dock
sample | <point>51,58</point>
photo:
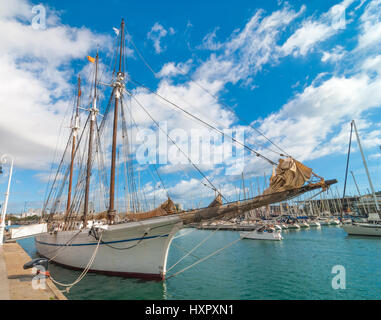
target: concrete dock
<point>16,283</point>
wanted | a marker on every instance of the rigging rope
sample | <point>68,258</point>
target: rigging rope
<point>187,156</point>
<point>155,165</point>
<point>205,123</point>
<point>212,95</point>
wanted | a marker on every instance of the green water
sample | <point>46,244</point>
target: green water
<point>299,267</point>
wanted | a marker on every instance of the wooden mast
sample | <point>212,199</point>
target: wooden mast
<point>118,93</point>
<point>93,113</point>
<point>74,129</point>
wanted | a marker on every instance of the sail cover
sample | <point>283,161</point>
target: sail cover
<point>289,174</point>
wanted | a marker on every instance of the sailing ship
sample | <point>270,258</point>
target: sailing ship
<point>134,243</point>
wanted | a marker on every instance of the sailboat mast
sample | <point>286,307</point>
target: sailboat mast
<point>358,191</point>
<point>118,93</point>
<point>93,114</point>
<point>74,130</point>
<point>366,167</point>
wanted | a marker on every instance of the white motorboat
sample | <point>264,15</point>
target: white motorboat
<point>314,224</point>
<point>324,222</point>
<point>262,234</point>
<point>334,222</point>
<point>293,226</point>
<point>304,225</point>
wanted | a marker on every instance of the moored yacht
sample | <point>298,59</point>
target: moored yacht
<point>304,225</point>
<point>370,228</point>
<point>263,233</point>
<point>334,222</point>
<point>314,224</point>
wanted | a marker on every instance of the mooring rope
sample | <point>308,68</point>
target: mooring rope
<point>205,258</point>
<point>84,272</point>
<point>190,252</point>
<point>185,234</point>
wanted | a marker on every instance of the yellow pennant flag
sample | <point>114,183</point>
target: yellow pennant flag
<point>91,59</point>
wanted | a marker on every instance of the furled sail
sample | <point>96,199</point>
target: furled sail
<point>289,174</point>
<point>166,208</point>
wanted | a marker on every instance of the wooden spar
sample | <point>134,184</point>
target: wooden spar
<point>93,112</point>
<point>74,130</point>
<point>111,210</point>
<point>237,208</point>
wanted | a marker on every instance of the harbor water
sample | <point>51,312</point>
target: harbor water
<point>299,267</point>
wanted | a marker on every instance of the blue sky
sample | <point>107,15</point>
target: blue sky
<point>282,65</point>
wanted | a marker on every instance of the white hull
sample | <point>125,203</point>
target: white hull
<point>264,235</point>
<point>27,231</point>
<point>133,249</point>
<point>363,229</point>
<point>334,222</point>
<point>315,224</point>
<point>324,223</point>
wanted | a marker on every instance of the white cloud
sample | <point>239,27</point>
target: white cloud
<point>156,33</point>
<point>335,55</point>
<point>248,50</point>
<point>209,41</point>
<point>370,26</point>
<point>314,31</point>
<point>305,38</point>
<point>35,81</point>
<point>372,64</point>
<point>171,69</point>
<point>315,122</point>
<point>49,177</point>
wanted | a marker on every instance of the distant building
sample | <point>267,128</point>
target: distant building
<point>31,213</point>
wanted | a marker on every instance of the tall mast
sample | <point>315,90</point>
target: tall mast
<point>93,114</point>
<point>358,191</point>
<point>74,129</point>
<point>366,168</point>
<point>119,86</point>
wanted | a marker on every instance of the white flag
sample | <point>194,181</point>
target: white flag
<point>116,31</point>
